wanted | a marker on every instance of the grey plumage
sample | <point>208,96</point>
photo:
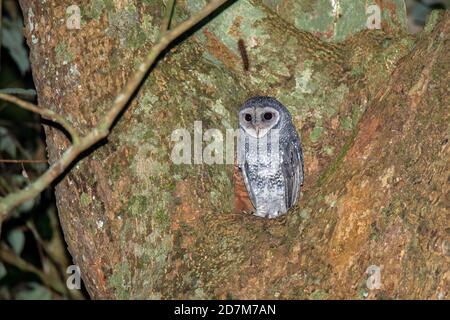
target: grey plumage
<point>270,156</point>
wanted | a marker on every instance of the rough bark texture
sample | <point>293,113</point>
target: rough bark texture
<point>372,111</point>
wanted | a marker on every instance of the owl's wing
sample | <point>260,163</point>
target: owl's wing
<point>292,168</point>
<point>245,172</point>
<point>302,169</point>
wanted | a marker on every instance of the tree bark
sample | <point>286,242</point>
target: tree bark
<point>372,111</point>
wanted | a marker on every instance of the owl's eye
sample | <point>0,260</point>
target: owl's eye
<point>248,117</point>
<point>268,115</point>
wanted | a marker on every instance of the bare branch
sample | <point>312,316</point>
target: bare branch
<point>22,161</point>
<point>8,256</point>
<point>27,94</point>
<point>102,129</point>
<point>45,113</point>
<point>122,98</point>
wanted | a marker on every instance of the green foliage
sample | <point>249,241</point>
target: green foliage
<point>3,271</point>
<point>7,144</point>
<point>12,40</point>
<point>16,239</point>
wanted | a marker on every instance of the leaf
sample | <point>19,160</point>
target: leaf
<point>18,180</point>
<point>12,39</point>
<point>2,270</point>
<point>7,145</point>
<point>36,292</point>
<point>27,205</point>
<point>16,239</point>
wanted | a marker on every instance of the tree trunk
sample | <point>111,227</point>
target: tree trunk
<point>372,111</point>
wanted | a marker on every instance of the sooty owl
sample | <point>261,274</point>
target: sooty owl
<point>270,156</point>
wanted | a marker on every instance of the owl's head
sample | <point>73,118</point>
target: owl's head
<point>260,114</point>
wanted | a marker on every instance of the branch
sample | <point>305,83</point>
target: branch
<point>8,256</point>
<point>102,130</point>
<point>45,113</point>
<point>22,161</point>
<point>122,99</point>
<point>27,94</point>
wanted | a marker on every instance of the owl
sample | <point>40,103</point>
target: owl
<point>270,157</point>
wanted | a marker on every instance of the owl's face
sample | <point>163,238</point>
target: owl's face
<point>258,119</point>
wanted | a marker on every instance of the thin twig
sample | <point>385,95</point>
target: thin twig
<point>8,256</point>
<point>130,87</point>
<point>28,94</point>
<point>102,129</point>
<point>22,161</point>
<point>45,113</point>
<point>165,24</point>
<point>54,254</point>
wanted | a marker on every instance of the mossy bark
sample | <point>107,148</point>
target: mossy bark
<point>372,111</point>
